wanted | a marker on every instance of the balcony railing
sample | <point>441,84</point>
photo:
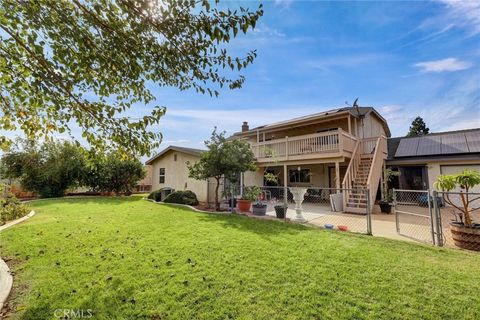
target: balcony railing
<point>318,144</point>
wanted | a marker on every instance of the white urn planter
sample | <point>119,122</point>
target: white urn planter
<point>298,195</point>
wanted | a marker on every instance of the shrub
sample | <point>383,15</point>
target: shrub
<point>47,169</point>
<point>182,197</point>
<point>155,195</point>
<point>114,173</point>
<point>10,207</point>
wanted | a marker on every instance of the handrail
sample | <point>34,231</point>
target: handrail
<point>350,165</point>
<point>295,138</point>
<point>351,171</point>
<point>376,169</point>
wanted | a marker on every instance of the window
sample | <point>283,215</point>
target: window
<point>302,175</point>
<point>175,157</point>
<point>161,176</point>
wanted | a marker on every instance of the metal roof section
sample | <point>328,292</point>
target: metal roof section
<point>473,141</point>
<point>407,147</point>
<point>442,143</point>
<point>454,143</point>
<point>429,145</point>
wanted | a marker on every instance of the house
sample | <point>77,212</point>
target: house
<point>421,160</point>
<point>344,149</point>
<point>170,169</point>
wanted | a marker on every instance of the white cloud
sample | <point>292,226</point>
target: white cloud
<point>282,3</point>
<point>464,14</point>
<point>205,119</point>
<point>449,64</point>
<point>464,124</point>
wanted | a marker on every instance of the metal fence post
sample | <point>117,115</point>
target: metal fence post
<point>285,201</point>
<point>432,219</point>
<point>438,219</point>
<point>369,212</point>
<point>397,222</point>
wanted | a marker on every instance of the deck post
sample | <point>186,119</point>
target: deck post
<point>349,124</point>
<point>286,147</point>
<point>369,212</point>
<point>337,176</point>
<point>285,188</point>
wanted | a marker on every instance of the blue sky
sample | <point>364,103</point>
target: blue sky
<point>403,58</point>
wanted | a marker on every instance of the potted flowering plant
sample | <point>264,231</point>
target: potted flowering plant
<point>465,231</point>
<point>250,194</point>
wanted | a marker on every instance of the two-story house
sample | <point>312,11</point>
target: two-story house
<point>343,149</point>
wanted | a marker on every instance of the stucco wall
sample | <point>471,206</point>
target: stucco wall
<point>435,169</point>
<point>176,174</point>
<point>319,175</point>
<point>253,178</point>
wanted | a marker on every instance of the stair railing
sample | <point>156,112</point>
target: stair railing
<point>376,169</point>
<point>351,172</point>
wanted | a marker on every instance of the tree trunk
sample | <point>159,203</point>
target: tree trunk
<point>217,204</point>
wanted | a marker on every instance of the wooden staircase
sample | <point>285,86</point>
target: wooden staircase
<point>357,200</point>
<point>364,173</point>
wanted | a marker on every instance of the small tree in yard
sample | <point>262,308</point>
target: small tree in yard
<point>48,169</point>
<point>418,128</point>
<point>466,181</point>
<point>223,158</point>
<point>112,173</point>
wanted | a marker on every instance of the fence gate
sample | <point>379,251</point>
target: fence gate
<point>414,217</point>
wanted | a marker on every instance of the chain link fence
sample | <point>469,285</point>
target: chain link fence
<point>450,219</point>
<point>413,215</point>
<point>458,216</point>
<point>323,207</point>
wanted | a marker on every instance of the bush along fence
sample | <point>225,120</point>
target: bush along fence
<point>441,218</point>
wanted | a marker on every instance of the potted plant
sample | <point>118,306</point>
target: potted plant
<point>386,202</point>
<point>258,207</point>
<point>387,195</point>
<point>281,210</point>
<point>465,231</point>
<point>250,194</point>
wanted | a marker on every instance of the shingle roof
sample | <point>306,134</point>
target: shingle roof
<point>192,151</point>
<point>441,143</point>
<point>353,111</point>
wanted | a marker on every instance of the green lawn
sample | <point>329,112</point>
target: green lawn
<point>132,259</point>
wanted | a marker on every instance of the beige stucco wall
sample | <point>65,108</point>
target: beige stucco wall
<point>319,175</point>
<point>176,174</point>
<point>253,178</point>
<point>435,169</point>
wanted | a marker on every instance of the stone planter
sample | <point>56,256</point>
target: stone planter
<point>281,211</point>
<point>244,205</point>
<point>466,237</point>
<point>298,196</point>
<point>259,209</point>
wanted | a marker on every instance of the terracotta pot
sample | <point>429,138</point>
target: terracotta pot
<point>244,205</point>
<point>465,237</point>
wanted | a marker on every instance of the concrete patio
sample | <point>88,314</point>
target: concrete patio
<point>412,227</point>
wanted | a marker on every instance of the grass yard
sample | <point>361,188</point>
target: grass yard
<point>132,259</point>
